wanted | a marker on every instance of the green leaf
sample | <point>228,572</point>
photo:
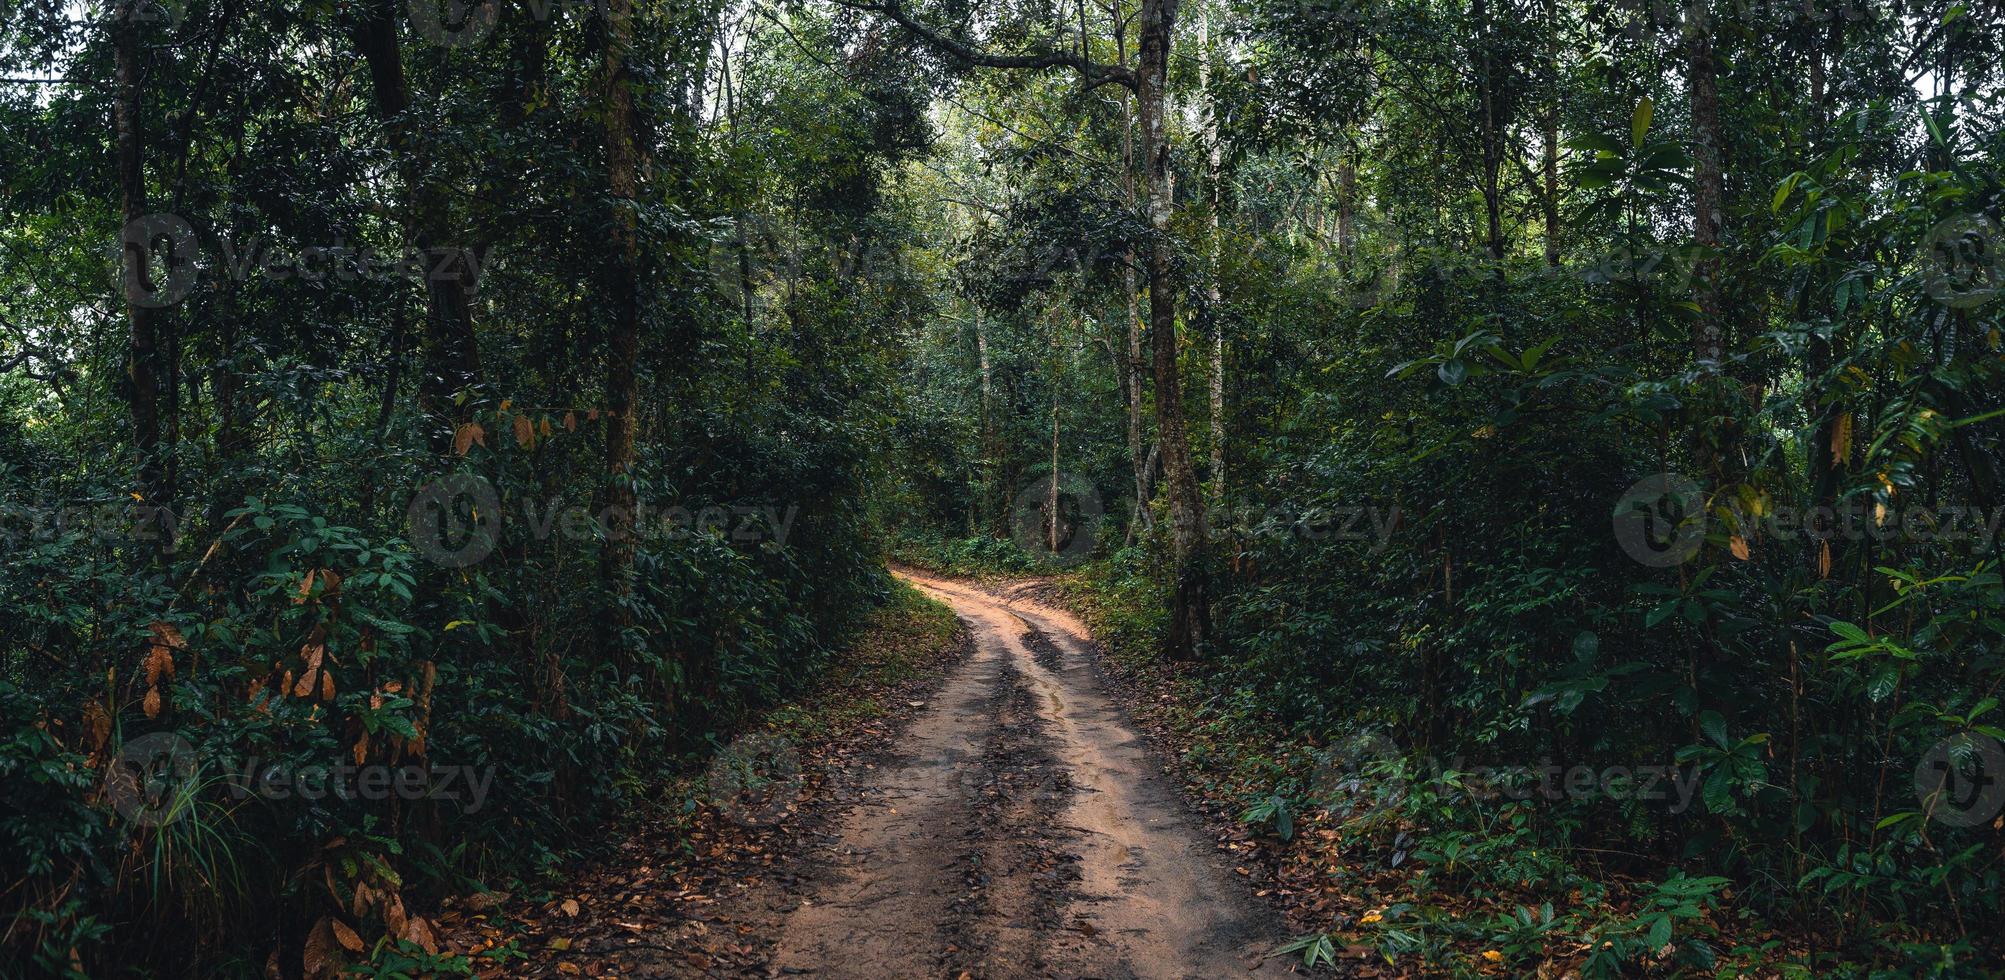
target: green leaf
<point>1639,124</point>
<point>1714,726</point>
<point>1783,190</point>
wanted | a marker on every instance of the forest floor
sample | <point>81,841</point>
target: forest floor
<point>1005,820</point>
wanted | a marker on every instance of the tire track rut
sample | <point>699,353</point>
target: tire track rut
<point>1022,829</point>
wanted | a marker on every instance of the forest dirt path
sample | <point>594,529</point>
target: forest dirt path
<point>1022,829</point>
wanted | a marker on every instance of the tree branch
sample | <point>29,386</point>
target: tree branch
<point>1094,73</point>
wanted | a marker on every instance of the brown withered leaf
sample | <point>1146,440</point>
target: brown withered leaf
<point>394,917</point>
<point>1841,439</point>
<point>361,750</point>
<point>306,684</point>
<point>152,703</point>
<point>1739,547</point>
<point>305,587</point>
<point>97,722</point>
<point>419,931</point>
<point>525,432</point>
<point>570,421</point>
<point>346,936</point>
<point>166,635</point>
<point>159,663</point>
<point>466,435</point>
<point>320,958</point>
<point>483,901</point>
<point>326,686</point>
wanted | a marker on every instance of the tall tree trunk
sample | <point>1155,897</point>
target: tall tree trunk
<point>1213,296</point>
<point>988,448</point>
<point>1137,458</point>
<point>1492,133</point>
<point>623,338</point>
<point>1347,196</point>
<point>1707,183</point>
<point>143,365</point>
<point>451,355</point>
<point>1051,497</point>
<point>1190,607</point>
<point>1549,198</point>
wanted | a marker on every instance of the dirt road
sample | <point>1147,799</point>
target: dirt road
<point>1021,829</point>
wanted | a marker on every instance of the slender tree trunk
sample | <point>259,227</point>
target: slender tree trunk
<point>1492,133</point>
<point>1190,612</point>
<point>1549,198</point>
<point>623,340</point>
<point>1347,196</point>
<point>143,367</point>
<point>1213,296</point>
<point>987,451</point>
<point>451,355</point>
<point>1707,183</point>
<point>1134,372</point>
<point>740,218</point>
<point>1051,499</point>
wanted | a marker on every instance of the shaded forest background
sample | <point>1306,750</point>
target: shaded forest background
<point>1433,391</point>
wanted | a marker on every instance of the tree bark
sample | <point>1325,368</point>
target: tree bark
<point>1549,199</point>
<point>1051,498</point>
<point>1137,458</point>
<point>1347,193</point>
<point>143,367</point>
<point>988,447</point>
<point>1213,296</point>
<point>1707,182</point>
<point>623,338</point>
<point>1492,134</point>
<point>1190,608</point>
<point>451,354</point>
